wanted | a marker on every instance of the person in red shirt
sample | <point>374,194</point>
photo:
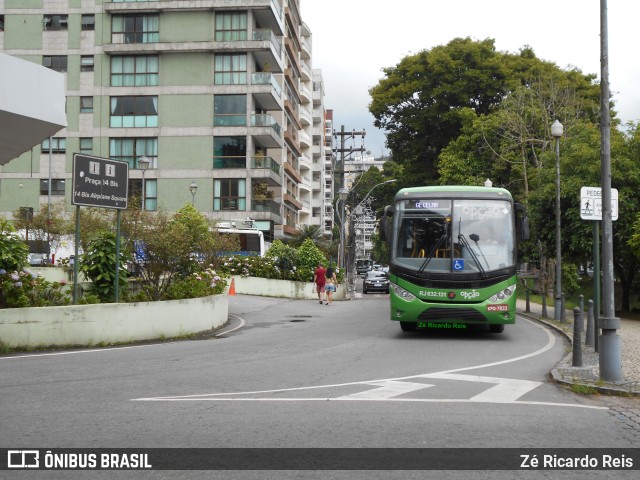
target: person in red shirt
<point>319,278</point>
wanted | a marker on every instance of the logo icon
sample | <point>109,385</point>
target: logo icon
<point>23,459</point>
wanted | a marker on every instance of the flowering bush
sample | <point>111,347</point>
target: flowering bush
<point>199,284</point>
<point>25,289</point>
<point>281,262</point>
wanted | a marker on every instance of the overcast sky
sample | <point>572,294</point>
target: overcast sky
<point>354,39</point>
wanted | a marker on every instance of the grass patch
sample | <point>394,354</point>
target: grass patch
<point>583,389</point>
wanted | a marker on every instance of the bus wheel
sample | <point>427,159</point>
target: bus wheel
<point>408,326</point>
<point>496,328</point>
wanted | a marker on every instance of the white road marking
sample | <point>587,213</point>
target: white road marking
<point>505,390</point>
<point>387,389</point>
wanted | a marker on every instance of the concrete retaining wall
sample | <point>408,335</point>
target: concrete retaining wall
<point>281,288</point>
<point>130,322</point>
<point>111,322</point>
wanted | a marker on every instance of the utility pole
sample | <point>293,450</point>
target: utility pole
<point>339,178</point>
<point>609,342</point>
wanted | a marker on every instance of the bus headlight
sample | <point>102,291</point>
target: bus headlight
<point>402,293</point>
<point>503,294</point>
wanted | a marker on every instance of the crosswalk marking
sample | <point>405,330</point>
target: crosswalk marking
<point>506,390</point>
<point>387,389</point>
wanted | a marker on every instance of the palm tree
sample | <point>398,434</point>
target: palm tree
<point>311,232</point>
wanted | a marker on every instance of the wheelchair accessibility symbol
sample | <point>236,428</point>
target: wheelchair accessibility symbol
<point>458,264</point>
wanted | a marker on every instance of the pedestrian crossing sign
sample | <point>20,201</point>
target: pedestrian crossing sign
<point>591,203</point>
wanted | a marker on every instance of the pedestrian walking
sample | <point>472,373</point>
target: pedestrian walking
<point>319,278</point>
<point>330,285</point>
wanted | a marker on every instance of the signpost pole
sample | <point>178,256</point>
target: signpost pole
<point>596,280</point>
<point>76,259</point>
<point>117,280</point>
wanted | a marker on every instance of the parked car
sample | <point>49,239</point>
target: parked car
<point>363,266</point>
<point>375,281</point>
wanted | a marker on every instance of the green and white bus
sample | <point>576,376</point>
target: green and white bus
<point>453,256</point>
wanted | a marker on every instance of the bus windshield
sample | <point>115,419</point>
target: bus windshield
<point>454,236</point>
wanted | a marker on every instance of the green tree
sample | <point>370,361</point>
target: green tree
<point>421,102</point>
<point>311,232</point>
<point>308,256</point>
<point>46,226</point>
<point>98,264</point>
<point>13,251</point>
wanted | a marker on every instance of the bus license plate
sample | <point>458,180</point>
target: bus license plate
<point>497,308</point>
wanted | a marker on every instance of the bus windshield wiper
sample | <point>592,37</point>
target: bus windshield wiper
<point>438,244</point>
<point>474,237</point>
<point>463,240</point>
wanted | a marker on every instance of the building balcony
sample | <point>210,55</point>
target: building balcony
<point>305,117</point>
<point>265,206</point>
<point>305,48</point>
<point>266,90</point>
<point>291,139</point>
<point>266,131</point>
<point>290,199</point>
<point>292,172</point>
<point>267,169</point>
<point>305,139</point>
<point>305,95</point>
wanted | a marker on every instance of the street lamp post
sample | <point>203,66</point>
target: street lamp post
<point>143,164</point>
<point>193,188</point>
<point>556,131</point>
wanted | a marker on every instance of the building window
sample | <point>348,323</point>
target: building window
<point>86,145</point>
<point>130,150</point>
<point>138,71</point>
<point>138,111</point>
<point>230,69</point>
<point>150,195</point>
<point>55,62</point>
<point>88,22</point>
<point>58,145</point>
<point>229,152</point>
<point>1,23</point>
<point>86,63</point>
<point>229,110</point>
<point>57,187</point>
<point>135,29</point>
<point>231,26</point>
<point>229,194</point>
<point>86,104</point>
<point>55,22</point>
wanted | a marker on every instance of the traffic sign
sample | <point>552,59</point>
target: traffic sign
<point>591,203</point>
<point>99,182</point>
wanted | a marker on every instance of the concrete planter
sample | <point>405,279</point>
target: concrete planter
<point>111,322</point>
<point>281,288</point>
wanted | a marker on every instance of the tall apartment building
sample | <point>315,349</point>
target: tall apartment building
<point>219,94</point>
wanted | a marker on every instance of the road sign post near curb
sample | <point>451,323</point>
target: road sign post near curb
<point>591,203</point>
<point>98,182</point>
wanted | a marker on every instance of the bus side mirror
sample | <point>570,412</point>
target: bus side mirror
<point>522,221</point>
<point>386,224</point>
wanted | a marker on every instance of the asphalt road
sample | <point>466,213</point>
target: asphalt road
<point>298,374</point>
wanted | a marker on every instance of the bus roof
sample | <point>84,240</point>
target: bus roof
<point>453,191</point>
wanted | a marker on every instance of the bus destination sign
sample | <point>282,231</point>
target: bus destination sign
<point>99,182</point>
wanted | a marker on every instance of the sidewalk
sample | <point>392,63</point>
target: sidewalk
<point>589,374</point>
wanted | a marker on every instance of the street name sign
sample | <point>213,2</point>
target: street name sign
<point>591,203</point>
<point>99,182</point>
